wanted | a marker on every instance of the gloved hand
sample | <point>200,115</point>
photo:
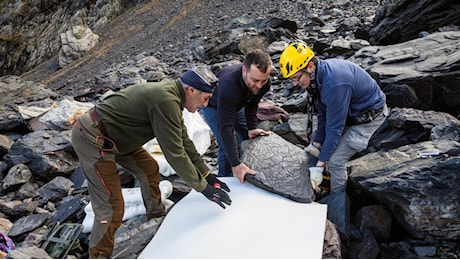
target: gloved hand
<point>316,176</point>
<point>213,181</point>
<point>217,195</point>
<point>313,150</point>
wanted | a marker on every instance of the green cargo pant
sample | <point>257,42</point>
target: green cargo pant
<point>98,156</point>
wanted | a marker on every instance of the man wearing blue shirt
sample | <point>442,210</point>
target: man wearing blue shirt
<point>351,107</point>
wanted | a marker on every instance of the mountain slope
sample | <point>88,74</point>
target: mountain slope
<point>160,28</point>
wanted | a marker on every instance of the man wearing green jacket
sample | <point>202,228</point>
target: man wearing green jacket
<point>115,130</point>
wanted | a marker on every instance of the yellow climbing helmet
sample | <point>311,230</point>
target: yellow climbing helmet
<point>294,58</point>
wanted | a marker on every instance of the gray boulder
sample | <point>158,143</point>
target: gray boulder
<point>420,190</point>
<point>429,66</point>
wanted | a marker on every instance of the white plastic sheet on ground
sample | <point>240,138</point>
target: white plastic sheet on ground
<point>197,130</point>
<point>258,224</point>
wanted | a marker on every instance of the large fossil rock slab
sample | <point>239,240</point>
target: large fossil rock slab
<point>281,167</point>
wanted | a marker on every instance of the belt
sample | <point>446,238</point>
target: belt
<point>97,120</point>
<point>364,117</point>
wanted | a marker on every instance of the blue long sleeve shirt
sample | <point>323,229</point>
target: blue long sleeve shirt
<point>345,90</point>
<point>229,97</point>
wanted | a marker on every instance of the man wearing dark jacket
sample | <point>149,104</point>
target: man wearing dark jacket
<point>232,109</point>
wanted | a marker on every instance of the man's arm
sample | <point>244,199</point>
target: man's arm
<point>169,128</point>
<point>227,109</point>
<point>337,102</point>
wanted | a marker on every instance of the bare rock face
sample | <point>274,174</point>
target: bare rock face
<point>403,20</point>
<point>281,167</point>
<point>47,154</point>
<point>417,182</point>
<point>14,92</point>
<point>420,191</point>
<point>75,43</point>
<point>32,252</point>
<point>28,223</point>
<point>29,30</point>
<point>17,176</point>
<point>429,66</point>
<point>331,247</point>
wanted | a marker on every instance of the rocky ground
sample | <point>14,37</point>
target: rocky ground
<point>166,29</point>
<point>172,30</point>
<point>159,28</point>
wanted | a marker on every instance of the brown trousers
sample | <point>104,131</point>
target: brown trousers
<point>98,156</point>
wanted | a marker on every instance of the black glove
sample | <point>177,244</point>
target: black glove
<point>213,181</point>
<point>217,195</point>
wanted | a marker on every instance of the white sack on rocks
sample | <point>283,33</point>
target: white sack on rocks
<point>198,131</point>
<point>134,205</point>
<point>29,112</point>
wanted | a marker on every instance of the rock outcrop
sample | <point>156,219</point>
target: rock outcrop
<point>76,43</point>
<point>404,20</point>
<point>428,66</point>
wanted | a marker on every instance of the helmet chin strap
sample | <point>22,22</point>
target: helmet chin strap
<point>312,76</point>
<point>312,89</point>
<point>312,98</point>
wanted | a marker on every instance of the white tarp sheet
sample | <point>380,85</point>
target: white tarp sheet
<point>258,224</point>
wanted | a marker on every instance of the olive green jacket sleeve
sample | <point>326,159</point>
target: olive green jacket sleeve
<point>178,149</point>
